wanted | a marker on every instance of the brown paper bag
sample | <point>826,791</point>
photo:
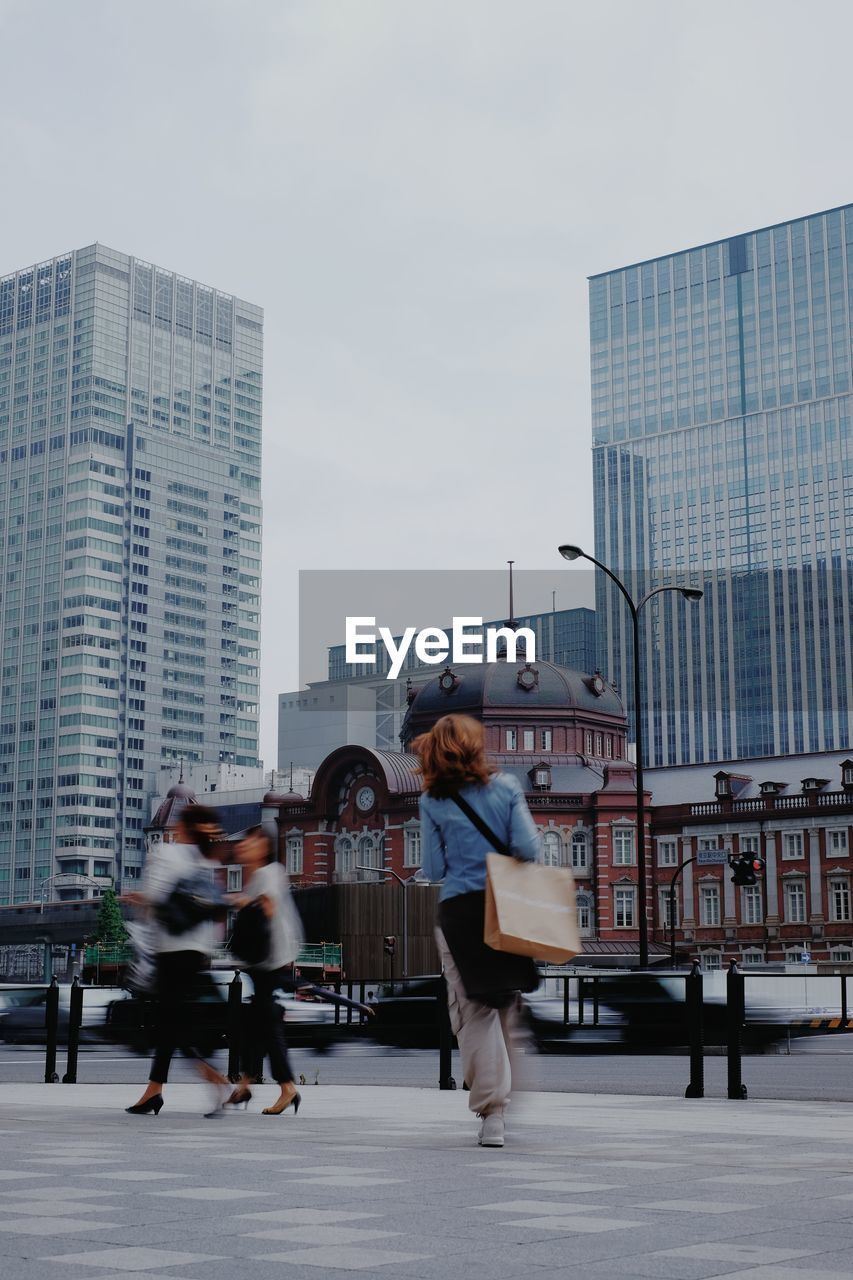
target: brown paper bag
<point>530,909</point>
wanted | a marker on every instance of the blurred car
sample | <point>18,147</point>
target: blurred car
<point>133,1020</point>
<point>22,1012</point>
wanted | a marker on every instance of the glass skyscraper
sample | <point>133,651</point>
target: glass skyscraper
<point>723,458</point>
<point>130,555</point>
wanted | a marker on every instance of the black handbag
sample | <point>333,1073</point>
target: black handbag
<point>193,900</point>
<point>251,938</point>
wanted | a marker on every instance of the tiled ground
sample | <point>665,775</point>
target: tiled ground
<point>391,1182</point>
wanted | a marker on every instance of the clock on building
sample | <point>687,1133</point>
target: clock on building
<point>365,798</point>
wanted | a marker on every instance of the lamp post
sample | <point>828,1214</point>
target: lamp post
<point>404,885</point>
<point>693,594</point>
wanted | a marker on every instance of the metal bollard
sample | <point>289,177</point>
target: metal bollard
<point>235,1026</point>
<point>843,1025</point>
<point>445,1039</point>
<point>51,1028</point>
<point>735,1012</point>
<point>695,1011</point>
<point>75,1021</point>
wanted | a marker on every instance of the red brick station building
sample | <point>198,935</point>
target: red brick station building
<point>563,734</point>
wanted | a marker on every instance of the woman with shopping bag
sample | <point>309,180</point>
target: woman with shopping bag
<point>469,810</point>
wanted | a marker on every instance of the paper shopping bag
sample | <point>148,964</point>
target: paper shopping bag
<point>530,909</point>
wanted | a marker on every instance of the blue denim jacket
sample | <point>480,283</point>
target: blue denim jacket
<point>452,848</point>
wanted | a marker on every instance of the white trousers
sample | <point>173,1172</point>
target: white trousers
<point>487,1039</point>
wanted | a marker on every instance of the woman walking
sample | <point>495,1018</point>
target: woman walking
<point>270,915</point>
<point>468,810</point>
<point>183,947</point>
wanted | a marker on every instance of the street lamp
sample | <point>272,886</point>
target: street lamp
<point>693,594</point>
<point>404,885</point>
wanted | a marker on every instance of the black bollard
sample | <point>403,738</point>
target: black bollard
<point>735,1012</point>
<point>75,1021</point>
<point>695,1029</point>
<point>51,1028</point>
<point>235,1026</point>
<point>445,1039</point>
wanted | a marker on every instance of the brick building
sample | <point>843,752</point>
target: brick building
<point>796,812</point>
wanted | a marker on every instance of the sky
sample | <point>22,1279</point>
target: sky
<point>416,193</point>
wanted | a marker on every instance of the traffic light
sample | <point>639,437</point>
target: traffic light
<point>390,945</point>
<point>746,867</point>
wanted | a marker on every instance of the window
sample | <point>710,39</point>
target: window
<point>709,904</point>
<point>753,908</point>
<point>750,844</point>
<point>623,902</point>
<point>836,843</point>
<point>529,739</point>
<point>293,854</point>
<point>584,905</point>
<point>667,853</point>
<point>552,847</point>
<point>623,846</point>
<point>547,740</point>
<point>588,743</point>
<point>666,910</point>
<point>412,847</point>
<point>511,739</point>
<point>709,842</point>
<point>370,855</point>
<point>608,746</point>
<point>599,745</point>
<point>235,879</point>
<point>795,902</point>
<point>792,844</point>
<point>751,958</point>
<point>839,900</point>
<point>710,960</point>
<point>842,955</point>
<point>345,856</point>
<point>580,851</point>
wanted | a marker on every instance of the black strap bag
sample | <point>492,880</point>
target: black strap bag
<point>492,977</point>
<point>251,938</point>
<point>193,900</point>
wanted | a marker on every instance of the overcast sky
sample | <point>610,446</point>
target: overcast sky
<point>415,192</point>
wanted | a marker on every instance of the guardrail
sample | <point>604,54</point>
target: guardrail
<point>691,1017</point>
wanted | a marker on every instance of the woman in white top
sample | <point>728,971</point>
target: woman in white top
<point>180,956</point>
<point>266,883</point>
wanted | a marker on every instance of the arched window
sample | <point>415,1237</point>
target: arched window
<point>580,851</point>
<point>370,853</point>
<point>586,923</point>
<point>345,856</point>
<point>552,848</point>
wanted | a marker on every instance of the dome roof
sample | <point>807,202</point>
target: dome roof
<point>285,798</point>
<point>178,798</point>
<point>180,791</point>
<point>481,688</point>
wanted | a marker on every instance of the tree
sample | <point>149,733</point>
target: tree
<point>109,926</point>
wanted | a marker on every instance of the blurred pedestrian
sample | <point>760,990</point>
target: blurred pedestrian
<point>181,900</point>
<point>468,810</point>
<point>268,936</point>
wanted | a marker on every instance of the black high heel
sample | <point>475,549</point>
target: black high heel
<point>277,1111</point>
<point>239,1098</point>
<point>153,1106</point>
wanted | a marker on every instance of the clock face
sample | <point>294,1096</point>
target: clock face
<point>597,685</point>
<point>364,798</point>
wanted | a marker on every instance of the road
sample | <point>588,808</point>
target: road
<point>817,1069</point>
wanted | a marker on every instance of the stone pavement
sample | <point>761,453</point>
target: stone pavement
<point>391,1182</point>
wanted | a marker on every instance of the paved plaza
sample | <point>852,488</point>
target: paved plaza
<point>391,1182</point>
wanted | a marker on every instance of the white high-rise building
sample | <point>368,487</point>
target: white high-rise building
<point>130,556</point>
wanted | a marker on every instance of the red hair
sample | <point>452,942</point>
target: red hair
<point>452,755</point>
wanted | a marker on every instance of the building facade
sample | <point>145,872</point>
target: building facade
<point>796,814</point>
<point>130,528</point>
<point>723,458</point>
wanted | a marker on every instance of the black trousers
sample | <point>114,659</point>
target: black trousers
<point>264,1029</point>
<point>177,983</point>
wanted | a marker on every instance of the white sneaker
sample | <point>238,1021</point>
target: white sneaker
<point>492,1131</point>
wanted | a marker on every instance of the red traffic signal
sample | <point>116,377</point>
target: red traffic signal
<point>746,868</point>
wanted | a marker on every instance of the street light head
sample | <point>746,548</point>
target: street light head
<point>569,552</point>
<point>693,594</point>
